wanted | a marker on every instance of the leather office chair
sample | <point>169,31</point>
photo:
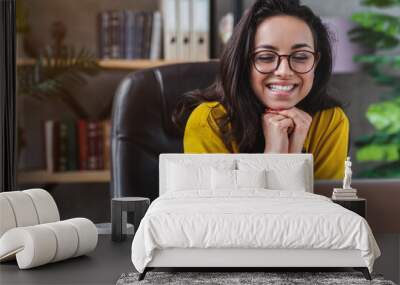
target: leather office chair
<point>142,127</point>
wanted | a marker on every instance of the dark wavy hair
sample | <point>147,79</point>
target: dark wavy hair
<point>232,89</point>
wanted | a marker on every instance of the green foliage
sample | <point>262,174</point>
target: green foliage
<point>379,31</point>
<point>376,30</point>
<point>372,152</point>
<point>59,74</point>
<point>385,116</point>
<point>380,3</point>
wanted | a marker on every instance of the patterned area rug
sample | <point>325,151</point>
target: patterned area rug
<point>242,278</point>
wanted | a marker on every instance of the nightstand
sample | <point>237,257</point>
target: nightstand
<point>358,206</point>
<point>119,209</point>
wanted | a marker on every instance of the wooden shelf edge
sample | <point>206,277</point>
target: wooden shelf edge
<point>131,64</point>
<point>44,176</point>
<point>139,63</point>
<point>25,61</point>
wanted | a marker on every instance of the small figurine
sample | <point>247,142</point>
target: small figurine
<point>347,174</point>
<point>347,192</point>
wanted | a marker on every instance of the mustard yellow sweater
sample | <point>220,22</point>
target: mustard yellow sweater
<point>327,138</point>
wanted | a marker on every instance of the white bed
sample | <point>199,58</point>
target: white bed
<point>203,221</point>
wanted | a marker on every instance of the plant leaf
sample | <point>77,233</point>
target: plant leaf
<point>385,116</point>
<point>376,152</point>
<point>372,39</point>
<point>381,23</point>
<point>380,3</point>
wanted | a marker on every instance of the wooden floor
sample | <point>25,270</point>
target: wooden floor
<point>110,259</point>
<point>103,266</point>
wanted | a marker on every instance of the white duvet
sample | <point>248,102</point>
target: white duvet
<point>253,218</point>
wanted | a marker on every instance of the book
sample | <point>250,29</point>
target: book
<point>77,145</point>
<point>130,35</point>
<point>83,144</point>
<point>115,34</point>
<point>62,146</point>
<point>148,22</point>
<point>138,46</point>
<point>345,194</point>
<point>339,190</point>
<point>104,39</point>
<point>335,197</point>
<point>72,146</point>
<point>91,142</point>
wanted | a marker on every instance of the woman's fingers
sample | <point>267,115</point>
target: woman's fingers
<point>274,117</point>
<point>279,121</point>
<point>302,120</point>
<point>296,114</point>
<point>285,123</point>
<point>275,128</point>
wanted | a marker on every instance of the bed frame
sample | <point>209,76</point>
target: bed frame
<point>250,258</point>
<point>242,259</point>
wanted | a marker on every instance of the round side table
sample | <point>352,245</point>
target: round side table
<point>119,209</point>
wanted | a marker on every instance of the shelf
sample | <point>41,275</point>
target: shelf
<point>131,64</point>
<point>26,62</point>
<point>43,176</point>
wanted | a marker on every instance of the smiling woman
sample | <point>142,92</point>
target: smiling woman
<point>271,92</point>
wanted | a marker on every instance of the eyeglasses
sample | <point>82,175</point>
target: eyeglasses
<point>301,61</point>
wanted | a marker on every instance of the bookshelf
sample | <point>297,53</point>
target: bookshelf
<point>93,37</point>
<point>82,176</point>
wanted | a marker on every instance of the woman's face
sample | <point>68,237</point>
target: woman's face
<point>282,88</point>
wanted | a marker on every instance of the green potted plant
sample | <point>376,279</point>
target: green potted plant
<point>380,32</point>
<point>58,71</point>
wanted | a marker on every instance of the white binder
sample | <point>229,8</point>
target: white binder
<point>169,14</point>
<point>200,35</point>
<point>155,47</point>
<point>184,29</point>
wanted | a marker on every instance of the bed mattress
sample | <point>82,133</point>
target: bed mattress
<point>250,219</point>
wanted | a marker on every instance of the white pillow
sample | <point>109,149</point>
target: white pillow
<point>293,180</point>
<point>237,179</point>
<point>281,174</point>
<point>193,173</point>
<point>251,178</point>
<point>223,179</point>
<point>187,177</point>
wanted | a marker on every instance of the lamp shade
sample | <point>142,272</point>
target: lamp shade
<point>343,49</point>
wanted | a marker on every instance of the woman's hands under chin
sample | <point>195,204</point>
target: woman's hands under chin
<point>302,122</point>
<point>288,128</point>
<point>276,128</point>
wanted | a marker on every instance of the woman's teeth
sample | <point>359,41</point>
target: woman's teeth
<point>281,87</point>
